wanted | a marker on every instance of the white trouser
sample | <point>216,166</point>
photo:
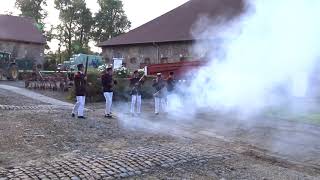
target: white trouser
<point>135,101</point>
<point>79,106</point>
<point>108,97</point>
<point>159,104</point>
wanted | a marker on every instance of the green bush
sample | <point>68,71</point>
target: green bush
<point>94,86</point>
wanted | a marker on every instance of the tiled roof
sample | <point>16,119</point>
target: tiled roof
<point>20,29</point>
<point>177,24</point>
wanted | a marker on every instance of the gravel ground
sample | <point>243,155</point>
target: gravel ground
<point>7,98</point>
<point>31,138</point>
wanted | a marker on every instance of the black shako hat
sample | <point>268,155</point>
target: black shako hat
<point>79,66</point>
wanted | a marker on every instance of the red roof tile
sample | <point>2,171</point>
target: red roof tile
<point>21,29</point>
<point>177,24</point>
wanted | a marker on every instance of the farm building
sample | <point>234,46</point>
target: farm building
<point>168,38</point>
<point>20,37</point>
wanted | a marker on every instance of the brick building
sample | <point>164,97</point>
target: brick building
<point>167,38</point>
<point>20,37</point>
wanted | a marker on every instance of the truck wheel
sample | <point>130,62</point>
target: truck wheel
<point>13,73</point>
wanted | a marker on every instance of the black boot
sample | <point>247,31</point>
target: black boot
<point>108,116</point>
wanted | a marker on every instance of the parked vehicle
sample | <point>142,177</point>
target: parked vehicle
<point>94,61</point>
<point>179,68</point>
<point>8,67</point>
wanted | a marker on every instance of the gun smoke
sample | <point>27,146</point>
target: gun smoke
<point>260,59</point>
<point>265,58</point>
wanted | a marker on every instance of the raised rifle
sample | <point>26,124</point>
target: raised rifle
<point>86,69</point>
<point>136,85</point>
<point>159,91</point>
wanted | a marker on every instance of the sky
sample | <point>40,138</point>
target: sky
<point>139,12</point>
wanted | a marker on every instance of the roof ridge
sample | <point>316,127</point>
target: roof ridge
<point>17,16</point>
<point>165,14</point>
<point>176,24</point>
<point>20,29</point>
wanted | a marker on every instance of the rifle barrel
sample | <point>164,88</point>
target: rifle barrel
<point>87,62</point>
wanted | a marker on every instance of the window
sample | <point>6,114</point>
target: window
<point>164,60</point>
<point>133,60</point>
<point>117,55</point>
<point>147,61</point>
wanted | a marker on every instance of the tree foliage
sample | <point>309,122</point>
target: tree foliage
<point>77,26</point>
<point>33,9</point>
<point>76,22</point>
<point>110,21</point>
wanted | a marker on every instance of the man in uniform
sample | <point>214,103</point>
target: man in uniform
<point>80,90</point>
<point>171,82</point>
<point>107,83</point>
<point>159,100</point>
<point>136,85</point>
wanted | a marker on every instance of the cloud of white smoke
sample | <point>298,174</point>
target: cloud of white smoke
<point>259,58</point>
<point>264,58</point>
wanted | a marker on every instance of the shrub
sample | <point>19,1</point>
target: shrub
<point>122,72</point>
<point>102,68</point>
<point>94,86</point>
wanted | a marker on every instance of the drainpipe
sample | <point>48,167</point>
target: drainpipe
<point>158,51</point>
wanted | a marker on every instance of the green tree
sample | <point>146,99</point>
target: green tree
<point>110,20</point>
<point>33,9</point>
<point>75,28</point>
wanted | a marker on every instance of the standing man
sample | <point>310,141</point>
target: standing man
<point>107,83</point>
<point>80,90</point>
<point>159,100</point>
<point>171,82</point>
<point>136,85</point>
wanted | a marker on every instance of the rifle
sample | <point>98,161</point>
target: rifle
<point>135,86</point>
<point>142,77</point>
<point>158,92</point>
<point>86,70</point>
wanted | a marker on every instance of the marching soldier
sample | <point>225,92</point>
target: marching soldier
<point>136,84</point>
<point>80,90</point>
<point>108,83</point>
<point>159,95</point>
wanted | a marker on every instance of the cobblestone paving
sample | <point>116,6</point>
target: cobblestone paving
<point>14,108</point>
<point>117,165</point>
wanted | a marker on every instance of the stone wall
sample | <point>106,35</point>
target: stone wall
<point>136,56</point>
<point>20,50</point>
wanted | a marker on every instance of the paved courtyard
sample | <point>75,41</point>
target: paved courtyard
<point>40,140</point>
